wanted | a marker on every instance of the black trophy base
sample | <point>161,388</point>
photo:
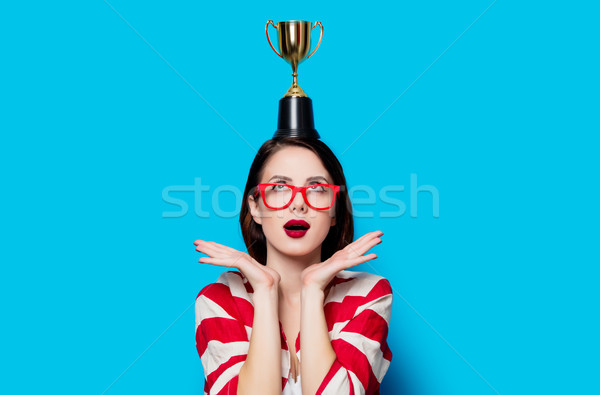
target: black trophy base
<point>296,118</point>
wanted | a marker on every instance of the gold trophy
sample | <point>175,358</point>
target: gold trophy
<point>295,108</point>
<point>294,44</point>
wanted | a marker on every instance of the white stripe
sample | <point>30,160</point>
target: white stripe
<point>381,305</point>
<point>334,333</point>
<point>360,286</point>
<point>338,384</point>
<point>285,363</point>
<point>217,353</point>
<point>358,387</point>
<point>206,308</point>
<point>235,284</point>
<point>372,350</point>
<point>225,377</point>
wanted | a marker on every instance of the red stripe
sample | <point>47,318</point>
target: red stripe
<point>354,360</point>
<point>387,353</point>
<point>200,343</point>
<point>332,371</point>
<point>224,330</point>
<point>282,337</point>
<point>369,324</point>
<point>214,376</point>
<point>345,310</point>
<point>231,387</point>
<point>339,280</point>
<point>350,382</point>
<point>236,307</point>
<point>245,311</point>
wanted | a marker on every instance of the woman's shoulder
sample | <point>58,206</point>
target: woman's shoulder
<point>360,279</point>
<point>229,284</point>
<point>227,297</point>
<point>367,286</point>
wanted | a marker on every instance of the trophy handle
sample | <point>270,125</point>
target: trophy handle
<point>269,40</point>
<point>320,37</point>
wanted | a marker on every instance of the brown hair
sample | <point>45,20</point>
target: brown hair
<point>339,236</point>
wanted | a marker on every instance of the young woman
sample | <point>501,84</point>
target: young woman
<point>296,220</point>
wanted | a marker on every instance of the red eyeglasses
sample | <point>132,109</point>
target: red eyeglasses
<point>278,196</point>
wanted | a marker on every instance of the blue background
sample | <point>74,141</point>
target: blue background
<point>105,105</point>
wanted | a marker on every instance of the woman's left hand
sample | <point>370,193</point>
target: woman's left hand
<point>320,274</point>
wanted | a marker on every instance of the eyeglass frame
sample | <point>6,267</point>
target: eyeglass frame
<point>261,188</point>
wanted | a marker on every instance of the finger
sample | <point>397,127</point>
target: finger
<point>217,261</point>
<point>366,244</point>
<point>357,242</point>
<point>365,238</point>
<point>227,248</point>
<point>361,249</point>
<point>217,245</point>
<point>205,246</point>
<point>208,243</point>
<point>361,238</point>
<point>357,261</point>
<point>223,248</point>
<point>372,243</point>
<point>370,236</point>
<point>210,250</point>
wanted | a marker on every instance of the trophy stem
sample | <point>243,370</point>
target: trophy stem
<point>295,89</point>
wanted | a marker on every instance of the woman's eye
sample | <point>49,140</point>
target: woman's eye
<point>278,187</point>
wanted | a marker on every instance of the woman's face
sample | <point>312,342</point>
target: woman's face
<point>295,166</point>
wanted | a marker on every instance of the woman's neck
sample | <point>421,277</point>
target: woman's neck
<point>290,269</point>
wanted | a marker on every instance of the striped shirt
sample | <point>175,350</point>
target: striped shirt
<point>357,311</point>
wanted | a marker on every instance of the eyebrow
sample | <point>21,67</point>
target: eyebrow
<point>308,179</point>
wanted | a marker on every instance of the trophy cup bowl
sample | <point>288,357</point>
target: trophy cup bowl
<point>294,45</point>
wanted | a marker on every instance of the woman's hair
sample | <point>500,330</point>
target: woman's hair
<point>339,236</point>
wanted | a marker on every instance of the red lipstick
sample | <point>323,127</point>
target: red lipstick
<point>296,228</point>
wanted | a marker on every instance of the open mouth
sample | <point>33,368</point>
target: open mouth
<point>296,224</point>
<point>296,228</point>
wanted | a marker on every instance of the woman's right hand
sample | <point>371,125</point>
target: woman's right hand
<point>260,276</point>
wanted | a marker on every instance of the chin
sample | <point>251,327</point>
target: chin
<point>296,248</point>
<point>297,251</point>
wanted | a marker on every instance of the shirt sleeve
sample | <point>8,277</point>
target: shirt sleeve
<point>362,353</point>
<point>222,339</point>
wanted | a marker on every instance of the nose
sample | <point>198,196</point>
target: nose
<point>298,202</point>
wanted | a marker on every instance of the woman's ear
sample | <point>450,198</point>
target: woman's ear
<point>254,210</point>
<point>332,221</point>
